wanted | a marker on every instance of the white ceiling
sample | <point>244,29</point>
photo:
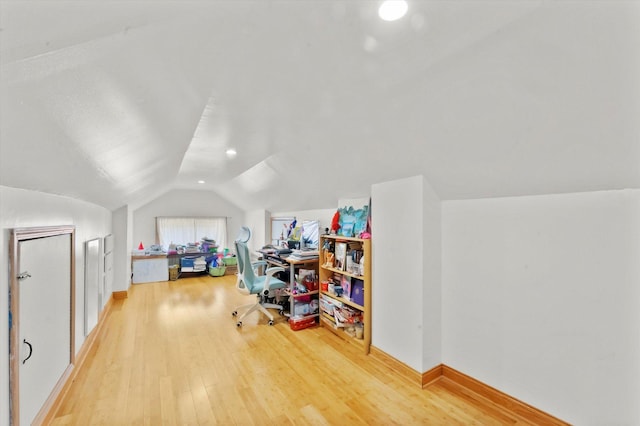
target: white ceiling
<point>117,102</point>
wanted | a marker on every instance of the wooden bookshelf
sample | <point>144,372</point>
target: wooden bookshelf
<point>362,272</point>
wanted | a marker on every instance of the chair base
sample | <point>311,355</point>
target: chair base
<point>258,306</point>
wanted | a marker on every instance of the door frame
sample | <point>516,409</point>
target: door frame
<point>18,235</point>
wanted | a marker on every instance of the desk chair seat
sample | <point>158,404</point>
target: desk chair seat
<point>263,286</point>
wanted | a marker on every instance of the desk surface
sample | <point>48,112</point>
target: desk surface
<point>149,256</point>
<point>285,261</point>
<point>275,258</point>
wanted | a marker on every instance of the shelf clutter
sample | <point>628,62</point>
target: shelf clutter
<point>155,264</point>
<point>345,287</point>
<point>207,260</point>
<point>303,297</point>
<point>193,264</point>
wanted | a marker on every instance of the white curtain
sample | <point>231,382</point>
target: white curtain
<point>213,228</point>
<point>184,230</point>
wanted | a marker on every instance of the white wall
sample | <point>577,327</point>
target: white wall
<point>22,208</point>
<point>122,241</point>
<point>541,300</point>
<point>258,221</point>
<point>184,203</point>
<point>406,293</point>
<point>324,216</point>
<point>356,203</point>
<point>432,274</point>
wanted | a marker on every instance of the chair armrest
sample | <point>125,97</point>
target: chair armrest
<point>269,273</point>
<point>257,264</point>
<point>273,270</point>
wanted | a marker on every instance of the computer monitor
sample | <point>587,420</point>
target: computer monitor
<point>310,234</point>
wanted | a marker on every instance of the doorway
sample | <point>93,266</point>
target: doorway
<point>42,312</point>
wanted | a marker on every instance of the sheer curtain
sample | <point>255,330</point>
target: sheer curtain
<point>183,230</point>
<point>214,228</point>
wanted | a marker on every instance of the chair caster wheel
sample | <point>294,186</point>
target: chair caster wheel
<point>234,313</point>
<point>239,324</point>
<point>271,322</point>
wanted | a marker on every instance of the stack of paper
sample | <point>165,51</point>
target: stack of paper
<point>304,254</point>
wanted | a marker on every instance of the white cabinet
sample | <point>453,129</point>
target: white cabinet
<point>146,269</point>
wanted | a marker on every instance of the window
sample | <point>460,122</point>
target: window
<point>184,230</point>
<point>280,228</point>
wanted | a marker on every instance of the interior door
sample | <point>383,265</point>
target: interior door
<point>42,330</point>
<point>107,286</point>
<point>108,278</point>
<point>93,283</point>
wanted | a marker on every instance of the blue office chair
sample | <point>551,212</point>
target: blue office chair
<point>249,282</point>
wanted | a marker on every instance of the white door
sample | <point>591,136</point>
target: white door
<point>92,284</point>
<point>108,278</point>
<point>45,319</point>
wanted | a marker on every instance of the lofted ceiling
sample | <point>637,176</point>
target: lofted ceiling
<point>118,102</point>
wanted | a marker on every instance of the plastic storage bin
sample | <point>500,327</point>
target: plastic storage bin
<point>216,271</point>
<point>301,323</point>
<point>230,261</point>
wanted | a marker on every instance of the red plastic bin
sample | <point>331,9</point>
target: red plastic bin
<point>301,323</point>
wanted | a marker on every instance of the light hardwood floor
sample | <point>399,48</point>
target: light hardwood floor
<point>172,354</point>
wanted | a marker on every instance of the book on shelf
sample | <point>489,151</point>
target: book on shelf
<point>340,255</point>
<point>336,279</point>
<point>345,283</point>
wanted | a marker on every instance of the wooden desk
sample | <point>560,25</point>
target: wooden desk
<point>292,264</point>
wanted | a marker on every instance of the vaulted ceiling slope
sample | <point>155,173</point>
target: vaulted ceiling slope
<point>118,102</point>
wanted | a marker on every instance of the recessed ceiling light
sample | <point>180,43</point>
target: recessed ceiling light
<point>201,181</point>
<point>231,152</point>
<point>370,44</point>
<point>391,10</point>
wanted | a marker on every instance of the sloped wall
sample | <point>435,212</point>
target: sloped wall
<point>23,208</point>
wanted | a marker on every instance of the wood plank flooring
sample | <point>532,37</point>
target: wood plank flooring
<point>171,354</point>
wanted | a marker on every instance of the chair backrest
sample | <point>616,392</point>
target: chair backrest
<point>246,275</point>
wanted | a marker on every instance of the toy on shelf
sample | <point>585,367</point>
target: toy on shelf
<point>328,259</point>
